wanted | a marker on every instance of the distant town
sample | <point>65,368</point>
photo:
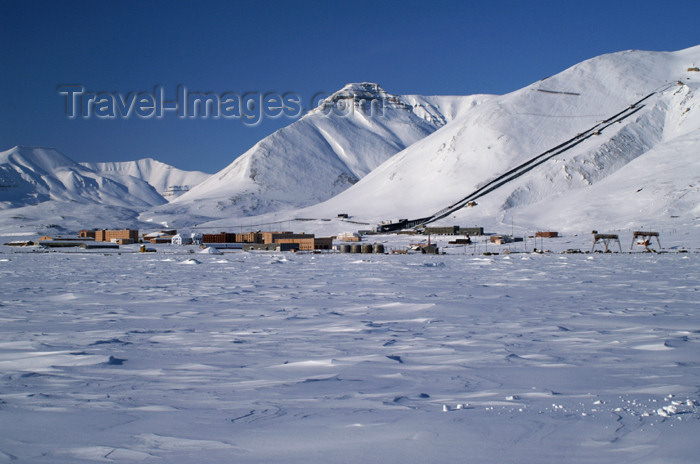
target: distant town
<point>346,242</point>
<point>349,242</point>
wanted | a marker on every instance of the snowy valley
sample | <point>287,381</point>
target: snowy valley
<point>486,351</point>
<point>631,120</point>
<point>44,191</point>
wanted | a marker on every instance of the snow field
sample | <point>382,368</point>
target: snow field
<point>257,357</point>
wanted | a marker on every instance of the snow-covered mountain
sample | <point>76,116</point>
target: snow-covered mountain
<point>318,156</point>
<point>169,181</point>
<point>641,170</point>
<point>44,191</point>
<point>32,175</point>
<point>617,139</point>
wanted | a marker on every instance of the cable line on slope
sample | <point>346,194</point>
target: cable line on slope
<point>527,166</point>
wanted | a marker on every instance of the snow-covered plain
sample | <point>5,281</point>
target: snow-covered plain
<point>301,358</point>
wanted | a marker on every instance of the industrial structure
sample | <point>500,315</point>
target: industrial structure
<point>643,238</point>
<point>606,239</point>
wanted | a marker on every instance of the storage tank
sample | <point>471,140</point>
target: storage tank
<point>367,248</point>
<point>345,248</point>
<point>378,248</point>
<point>355,248</point>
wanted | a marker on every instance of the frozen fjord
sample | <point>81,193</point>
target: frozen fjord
<point>346,358</point>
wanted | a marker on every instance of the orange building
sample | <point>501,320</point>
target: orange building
<point>105,235</point>
<point>250,237</point>
<point>307,242</point>
<point>271,237</point>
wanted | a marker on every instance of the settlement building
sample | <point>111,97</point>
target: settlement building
<point>195,238</point>
<point>447,230</point>
<point>302,242</point>
<point>126,235</point>
<point>250,237</point>
<point>349,236</point>
<point>271,237</point>
<point>270,247</point>
<point>62,238</point>
<point>308,243</point>
<point>471,230</point>
<point>160,236</point>
<point>62,241</point>
<point>179,239</point>
<point>222,237</point>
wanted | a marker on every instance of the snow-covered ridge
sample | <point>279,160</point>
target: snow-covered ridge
<point>419,154</point>
<point>169,181</point>
<point>370,98</point>
<point>44,191</point>
<point>317,156</point>
<point>362,92</point>
<point>32,175</point>
<point>490,138</point>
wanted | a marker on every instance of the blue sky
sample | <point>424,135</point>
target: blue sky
<point>408,47</point>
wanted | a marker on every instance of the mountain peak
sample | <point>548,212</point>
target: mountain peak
<point>351,133</point>
<point>363,87</point>
<point>363,93</point>
<point>46,157</point>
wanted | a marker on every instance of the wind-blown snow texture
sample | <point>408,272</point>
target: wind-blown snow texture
<point>252,357</point>
<point>300,358</point>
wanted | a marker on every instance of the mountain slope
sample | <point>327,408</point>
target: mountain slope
<point>658,190</point>
<point>318,156</point>
<point>629,122</point>
<point>43,192</point>
<point>32,175</point>
<point>491,138</point>
<point>168,181</point>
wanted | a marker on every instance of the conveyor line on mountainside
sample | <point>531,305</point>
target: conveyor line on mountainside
<point>525,167</point>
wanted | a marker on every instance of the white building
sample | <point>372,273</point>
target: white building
<point>194,238</point>
<point>178,239</point>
